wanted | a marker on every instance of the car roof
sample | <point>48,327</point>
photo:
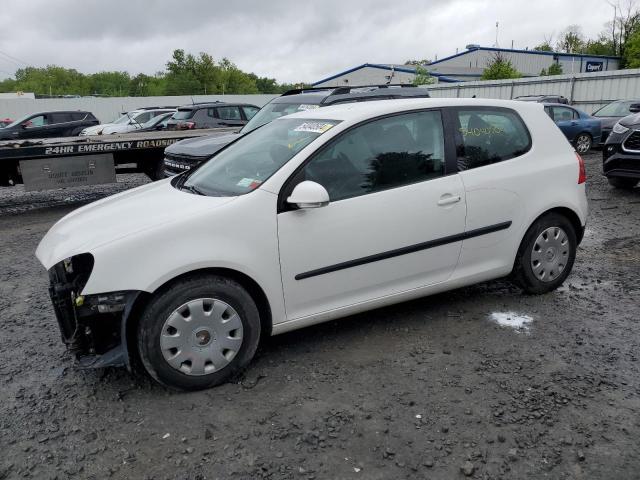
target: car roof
<point>197,106</point>
<point>332,95</point>
<point>357,111</point>
<point>60,111</point>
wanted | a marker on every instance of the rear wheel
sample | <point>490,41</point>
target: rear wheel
<point>583,143</point>
<point>546,254</point>
<point>625,183</point>
<point>198,333</point>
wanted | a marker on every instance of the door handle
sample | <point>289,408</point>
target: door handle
<point>448,199</point>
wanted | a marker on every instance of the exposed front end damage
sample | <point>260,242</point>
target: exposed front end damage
<point>92,326</point>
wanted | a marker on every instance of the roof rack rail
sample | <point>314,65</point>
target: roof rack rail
<point>343,90</point>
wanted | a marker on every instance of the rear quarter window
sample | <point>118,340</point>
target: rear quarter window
<point>486,136</point>
<point>183,114</point>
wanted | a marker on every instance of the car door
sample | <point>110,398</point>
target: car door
<point>493,147</point>
<point>35,127</point>
<point>392,224</point>
<point>567,120</point>
<point>229,116</point>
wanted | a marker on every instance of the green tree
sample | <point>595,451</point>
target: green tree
<point>499,68</point>
<point>110,83</point>
<point>571,40</point>
<point>544,47</point>
<point>422,77</point>
<point>632,51</point>
<point>555,69</point>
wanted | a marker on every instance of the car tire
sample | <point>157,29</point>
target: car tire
<point>198,332</point>
<point>584,142</point>
<point>546,254</point>
<point>621,182</point>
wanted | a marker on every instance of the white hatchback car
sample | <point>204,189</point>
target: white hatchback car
<point>312,217</point>
<point>128,122</point>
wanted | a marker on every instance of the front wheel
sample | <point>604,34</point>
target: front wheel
<point>198,333</point>
<point>624,183</point>
<point>583,143</point>
<point>546,254</point>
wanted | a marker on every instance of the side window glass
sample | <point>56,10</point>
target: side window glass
<point>211,113</point>
<point>382,154</point>
<point>249,112</point>
<point>143,118</point>
<point>38,121</point>
<point>229,113</point>
<point>488,136</point>
<point>562,114</point>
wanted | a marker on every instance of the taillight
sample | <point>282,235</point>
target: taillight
<point>189,125</point>
<point>582,174</point>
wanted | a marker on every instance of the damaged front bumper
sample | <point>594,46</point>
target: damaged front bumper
<point>92,326</point>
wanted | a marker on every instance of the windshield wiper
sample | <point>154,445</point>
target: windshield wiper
<point>192,189</point>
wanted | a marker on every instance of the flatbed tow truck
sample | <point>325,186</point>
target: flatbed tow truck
<point>43,164</point>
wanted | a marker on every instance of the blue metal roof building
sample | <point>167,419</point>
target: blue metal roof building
<point>469,65</point>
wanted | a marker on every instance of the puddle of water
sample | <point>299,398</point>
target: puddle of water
<point>519,322</point>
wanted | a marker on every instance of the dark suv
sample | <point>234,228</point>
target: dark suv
<point>189,153</point>
<point>49,125</point>
<point>621,153</point>
<point>212,115</point>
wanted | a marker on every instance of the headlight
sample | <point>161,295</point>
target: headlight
<point>618,128</point>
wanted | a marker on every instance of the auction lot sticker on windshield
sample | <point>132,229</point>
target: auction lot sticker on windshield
<point>304,107</point>
<point>314,127</point>
<point>49,173</point>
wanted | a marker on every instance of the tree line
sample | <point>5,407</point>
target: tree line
<point>185,74</point>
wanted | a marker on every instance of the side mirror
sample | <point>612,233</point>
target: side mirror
<point>25,125</point>
<point>634,107</point>
<point>309,194</point>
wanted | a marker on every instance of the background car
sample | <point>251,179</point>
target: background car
<point>49,125</point>
<point>159,122</point>
<point>543,99</point>
<point>212,115</point>
<point>612,112</point>
<point>621,153</point>
<point>580,128</point>
<point>188,153</point>
<point>129,121</point>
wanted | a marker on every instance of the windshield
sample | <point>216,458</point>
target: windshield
<point>183,114</point>
<point>273,110</point>
<point>123,119</point>
<point>21,120</point>
<point>155,120</point>
<point>247,163</point>
<point>614,109</point>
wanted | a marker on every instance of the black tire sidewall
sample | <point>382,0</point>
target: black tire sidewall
<point>524,272</point>
<point>169,299</point>
<point>623,183</point>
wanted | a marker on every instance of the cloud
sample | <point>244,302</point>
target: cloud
<point>289,40</point>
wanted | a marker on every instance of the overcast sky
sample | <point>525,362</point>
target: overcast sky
<point>285,39</point>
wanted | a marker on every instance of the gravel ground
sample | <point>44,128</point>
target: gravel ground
<point>433,388</point>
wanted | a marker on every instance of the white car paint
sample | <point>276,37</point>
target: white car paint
<point>143,238</point>
<point>137,119</point>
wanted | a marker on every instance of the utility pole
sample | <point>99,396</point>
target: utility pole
<point>496,44</point>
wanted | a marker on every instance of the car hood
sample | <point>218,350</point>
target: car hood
<point>117,129</point>
<point>95,130</point>
<point>120,216</point>
<point>608,122</point>
<point>629,120</point>
<point>202,146</point>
